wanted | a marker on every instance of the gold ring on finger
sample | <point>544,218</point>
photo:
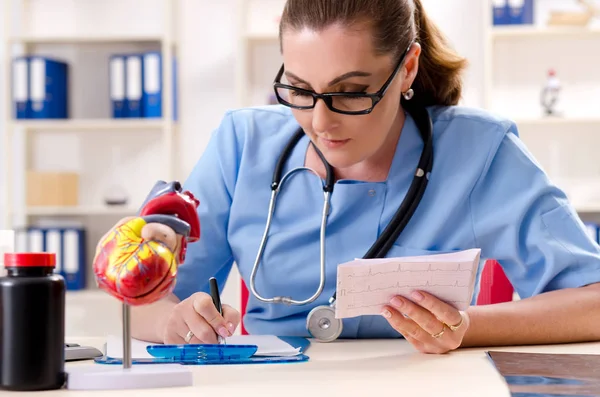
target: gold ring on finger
<point>457,326</point>
<point>188,337</point>
<point>439,334</point>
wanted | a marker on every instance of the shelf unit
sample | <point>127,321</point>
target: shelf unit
<point>84,39</point>
<point>17,41</point>
<point>538,131</point>
<point>90,125</point>
<point>553,32</point>
<point>251,35</point>
<point>81,211</point>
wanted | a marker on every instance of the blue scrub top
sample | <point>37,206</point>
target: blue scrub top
<point>486,191</point>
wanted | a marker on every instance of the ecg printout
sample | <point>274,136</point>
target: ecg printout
<point>364,286</point>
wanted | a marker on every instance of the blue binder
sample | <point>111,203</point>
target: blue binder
<point>53,244</point>
<point>520,12</point>
<point>20,88</point>
<point>68,244</point>
<point>117,78</point>
<point>208,354</point>
<point>500,12</point>
<point>36,239</point>
<point>48,88</point>
<point>73,258</point>
<point>134,67</point>
<point>153,85</point>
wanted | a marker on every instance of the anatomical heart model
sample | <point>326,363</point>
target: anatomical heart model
<point>139,270</point>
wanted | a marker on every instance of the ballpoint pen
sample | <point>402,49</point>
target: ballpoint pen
<point>216,298</point>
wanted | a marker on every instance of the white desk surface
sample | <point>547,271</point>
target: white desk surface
<point>348,367</point>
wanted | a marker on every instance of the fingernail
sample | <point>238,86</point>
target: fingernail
<point>417,296</point>
<point>396,302</point>
<point>231,327</point>
<point>223,332</point>
<point>386,314</point>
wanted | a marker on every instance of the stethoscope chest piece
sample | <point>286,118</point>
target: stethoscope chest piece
<point>322,324</point>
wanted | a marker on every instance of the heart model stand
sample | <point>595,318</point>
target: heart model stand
<point>127,376</point>
<point>167,197</point>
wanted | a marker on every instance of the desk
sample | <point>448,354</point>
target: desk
<point>349,368</point>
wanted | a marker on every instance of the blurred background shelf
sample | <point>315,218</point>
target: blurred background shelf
<point>91,124</point>
<point>262,36</point>
<point>589,208</point>
<point>81,210</point>
<point>517,32</point>
<point>85,39</point>
<point>557,121</point>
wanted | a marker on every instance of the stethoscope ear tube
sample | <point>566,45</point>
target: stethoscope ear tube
<point>393,230</point>
<point>415,192</point>
<point>282,159</point>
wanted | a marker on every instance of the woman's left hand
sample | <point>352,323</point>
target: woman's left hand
<point>431,325</point>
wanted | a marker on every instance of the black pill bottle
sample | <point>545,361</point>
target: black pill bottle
<point>32,323</point>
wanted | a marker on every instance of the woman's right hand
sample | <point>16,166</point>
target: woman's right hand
<point>197,314</point>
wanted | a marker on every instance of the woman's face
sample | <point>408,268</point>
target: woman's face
<point>339,59</point>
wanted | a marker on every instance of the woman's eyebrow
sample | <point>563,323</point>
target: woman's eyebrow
<point>354,73</point>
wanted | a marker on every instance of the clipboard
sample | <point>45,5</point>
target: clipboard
<point>213,354</point>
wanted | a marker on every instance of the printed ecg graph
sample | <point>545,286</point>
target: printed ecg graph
<point>364,286</point>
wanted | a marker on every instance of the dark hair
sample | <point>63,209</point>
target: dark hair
<point>395,25</point>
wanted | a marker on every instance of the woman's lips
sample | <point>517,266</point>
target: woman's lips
<point>333,143</point>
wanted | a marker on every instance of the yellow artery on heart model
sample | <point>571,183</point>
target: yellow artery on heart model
<point>138,271</point>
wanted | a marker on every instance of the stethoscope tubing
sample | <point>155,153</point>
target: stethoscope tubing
<point>323,234</point>
<point>391,232</point>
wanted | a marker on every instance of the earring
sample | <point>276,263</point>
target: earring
<point>409,94</point>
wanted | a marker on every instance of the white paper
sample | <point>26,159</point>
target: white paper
<point>267,346</point>
<point>364,286</point>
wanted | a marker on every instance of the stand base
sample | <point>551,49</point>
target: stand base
<point>108,377</point>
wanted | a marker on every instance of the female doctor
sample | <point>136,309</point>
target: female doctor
<point>485,191</point>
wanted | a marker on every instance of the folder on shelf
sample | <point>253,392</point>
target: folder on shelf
<point>48,88</point>
<point>54,245</point>
<point>134,80</point>
<point>500,12</point>
<point>68,243</point>
<point>153,85</point>
<point>74,258</point>
<point>520,12</point>
<point>152,89</point>
<point>20,88</point>
<point>117,78</point>
<point>35,240</point>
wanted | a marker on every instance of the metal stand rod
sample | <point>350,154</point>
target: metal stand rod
<point>126,337</point>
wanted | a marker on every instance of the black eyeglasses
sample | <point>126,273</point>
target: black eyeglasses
<point>340,102</point>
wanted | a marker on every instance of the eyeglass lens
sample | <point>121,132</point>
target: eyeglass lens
<point>302,99</point>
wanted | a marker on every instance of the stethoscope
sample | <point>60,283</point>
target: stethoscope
<point>321,322</point>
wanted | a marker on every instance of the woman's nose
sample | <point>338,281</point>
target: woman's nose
<point>323,119</point>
